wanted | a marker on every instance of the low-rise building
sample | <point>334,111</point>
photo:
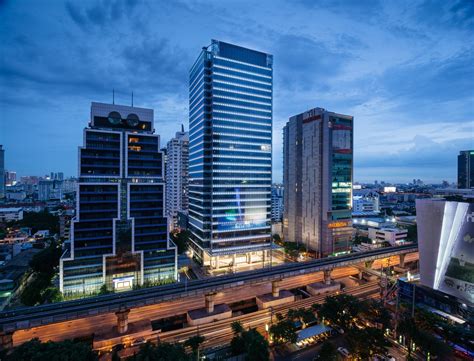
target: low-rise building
<point>11,214</point>
<point>365,200</point>
<point>393,235</point>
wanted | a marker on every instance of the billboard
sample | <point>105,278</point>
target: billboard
<point>455,266</point>
<point>446,246</point>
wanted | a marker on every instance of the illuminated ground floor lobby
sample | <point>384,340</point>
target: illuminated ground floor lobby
<point>238,262</point>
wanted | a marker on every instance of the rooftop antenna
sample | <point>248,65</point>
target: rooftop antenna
<point>132,99</point>
<point>113,96</point>
<point>182,128</point>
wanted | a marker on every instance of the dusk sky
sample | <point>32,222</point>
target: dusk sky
<point>403,69</point>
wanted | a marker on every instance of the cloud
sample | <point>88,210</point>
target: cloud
<point>102,13</point>
<point>401,69</point>
<point>425,159</point>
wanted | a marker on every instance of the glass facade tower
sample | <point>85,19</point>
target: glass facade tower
<point>2,172</point>
<point>119,237</point>
<point>230,155</point>
<point>466,169</point>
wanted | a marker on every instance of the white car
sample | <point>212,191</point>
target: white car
<point>343,351</point>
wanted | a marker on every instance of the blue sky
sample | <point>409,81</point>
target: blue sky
<point>403,69</point>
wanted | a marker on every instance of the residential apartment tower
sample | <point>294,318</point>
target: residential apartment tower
<point>177,176</point>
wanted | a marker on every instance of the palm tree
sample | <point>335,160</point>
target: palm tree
<point>194,343</point>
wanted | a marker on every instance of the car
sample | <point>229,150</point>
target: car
<point>338,329</point>
<point>343,351</point>
<point>138,341</point>
<point>384,358</point>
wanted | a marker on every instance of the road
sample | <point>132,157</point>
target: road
<point>22,318</point>
<point>94,324</point>
<point>218,334</point>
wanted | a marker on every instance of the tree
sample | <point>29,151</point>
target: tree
<point>163,352</point>
<point>328,352</point>
<point>237,344</point>
<point>407,327</point>
<point>35,350</point>
<point>194,343</point>
<point>358,239</point>
<point>283,331</point>
<point>427,343</point>
<point>412,234</point>
<point>51,295</point>
<point>377,313</point>
<point>249,342</point>
<point>341,310</point>
<point>419,329</point>
<point>366,342</point>
<point>40,220</point>
<point>181,239</point>
<point>40,289</point>
<point>32,293</point>
<point>303,315</point>
<point>103,290</point>
<point>47,260</point>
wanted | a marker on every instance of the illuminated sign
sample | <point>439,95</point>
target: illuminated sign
<point>339,224</point>
<point>341,190</point>
<point>390,189</point>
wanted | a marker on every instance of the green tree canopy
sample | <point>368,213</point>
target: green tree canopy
<point>162,352</point>
<point>181,239</point>
<point>284,331</point>
<point>68,350</point>
<point>366,342</point>
<point>194,343</point>
<point>328,352</point>
<point>303,315</point>
<point>47,260</point>
<point>377,313</point>
<point>39,221</point>
<point>341,310</point>
<point>249,342</point>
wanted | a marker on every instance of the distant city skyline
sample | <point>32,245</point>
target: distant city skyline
<point>403,69</point>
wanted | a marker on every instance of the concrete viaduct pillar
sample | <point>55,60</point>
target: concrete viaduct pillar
<point>402,260</point>
<point>6,341</point>
<point>276,288</point>
<point>327,276</point>
<point>122,320</point>
<point>210,297</point>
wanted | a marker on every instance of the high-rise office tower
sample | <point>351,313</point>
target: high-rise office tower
<point>10,178</point>
<point>2,172</point>
<point>277,202</point>
<point>119,236</point>
<point>230,155</point>
<point>317,177</point>
<point>177,176</point>
<point>466,169</point>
